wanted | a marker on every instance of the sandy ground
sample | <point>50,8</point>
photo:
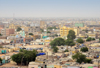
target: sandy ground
<point>12,65</point>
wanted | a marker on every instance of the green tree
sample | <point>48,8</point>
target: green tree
<point>85,30</point>
<point>0,60</point>
<point>99,39</point>
<point>66,50</point>
<point>88,60</point>
<point>84,49</point>
<point>79,57</point>
<point>55,49</point>
<point>79,40</point>
<point>21,50</point>
<point>18,29</point>
<point>1,47</point>
<point>71,35</point>
<point>31,34</point>
<point>69,42</point>
<point>93,38</point>
<point>89,39</point>
<point>48,32</point>
<point>17,58</point>
<point>0,34</point>
<point>24,55</point>
<point>34,51</point>
<point>57,42</point>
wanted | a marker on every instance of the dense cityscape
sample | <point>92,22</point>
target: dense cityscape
<point>53,41</point>
<point>49,34</point>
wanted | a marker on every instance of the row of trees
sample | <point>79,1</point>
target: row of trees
<point>80,40</point>
<point>90,39</point>
<point>69,42</point>
<point>61,41</point>
<point>24,57</point>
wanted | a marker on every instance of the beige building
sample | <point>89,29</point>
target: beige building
<point>12,26</point>
<point>93,35</point>
<point>64,31</point>
<point>33,65</point>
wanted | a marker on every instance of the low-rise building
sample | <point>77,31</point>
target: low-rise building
<point>9,31</point>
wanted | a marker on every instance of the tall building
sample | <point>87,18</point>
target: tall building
<point>43,24</point>
<point>64,31</point>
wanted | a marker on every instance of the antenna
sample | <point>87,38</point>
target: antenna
<point>13,16</point>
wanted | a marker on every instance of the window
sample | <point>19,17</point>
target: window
<point>32,67</point>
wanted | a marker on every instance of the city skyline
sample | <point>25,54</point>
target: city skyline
<point>49,8</point>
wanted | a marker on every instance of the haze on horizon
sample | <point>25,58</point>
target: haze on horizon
<point>50,8</point>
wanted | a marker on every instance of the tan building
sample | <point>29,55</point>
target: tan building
<point>83,28</point>
<point>93,35</point>
<point>43,24</point>
<point>25,28</point>
<point>76,31</point>
<point>12,26</point>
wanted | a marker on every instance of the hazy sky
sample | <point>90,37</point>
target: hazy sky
<point>50,8</point>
